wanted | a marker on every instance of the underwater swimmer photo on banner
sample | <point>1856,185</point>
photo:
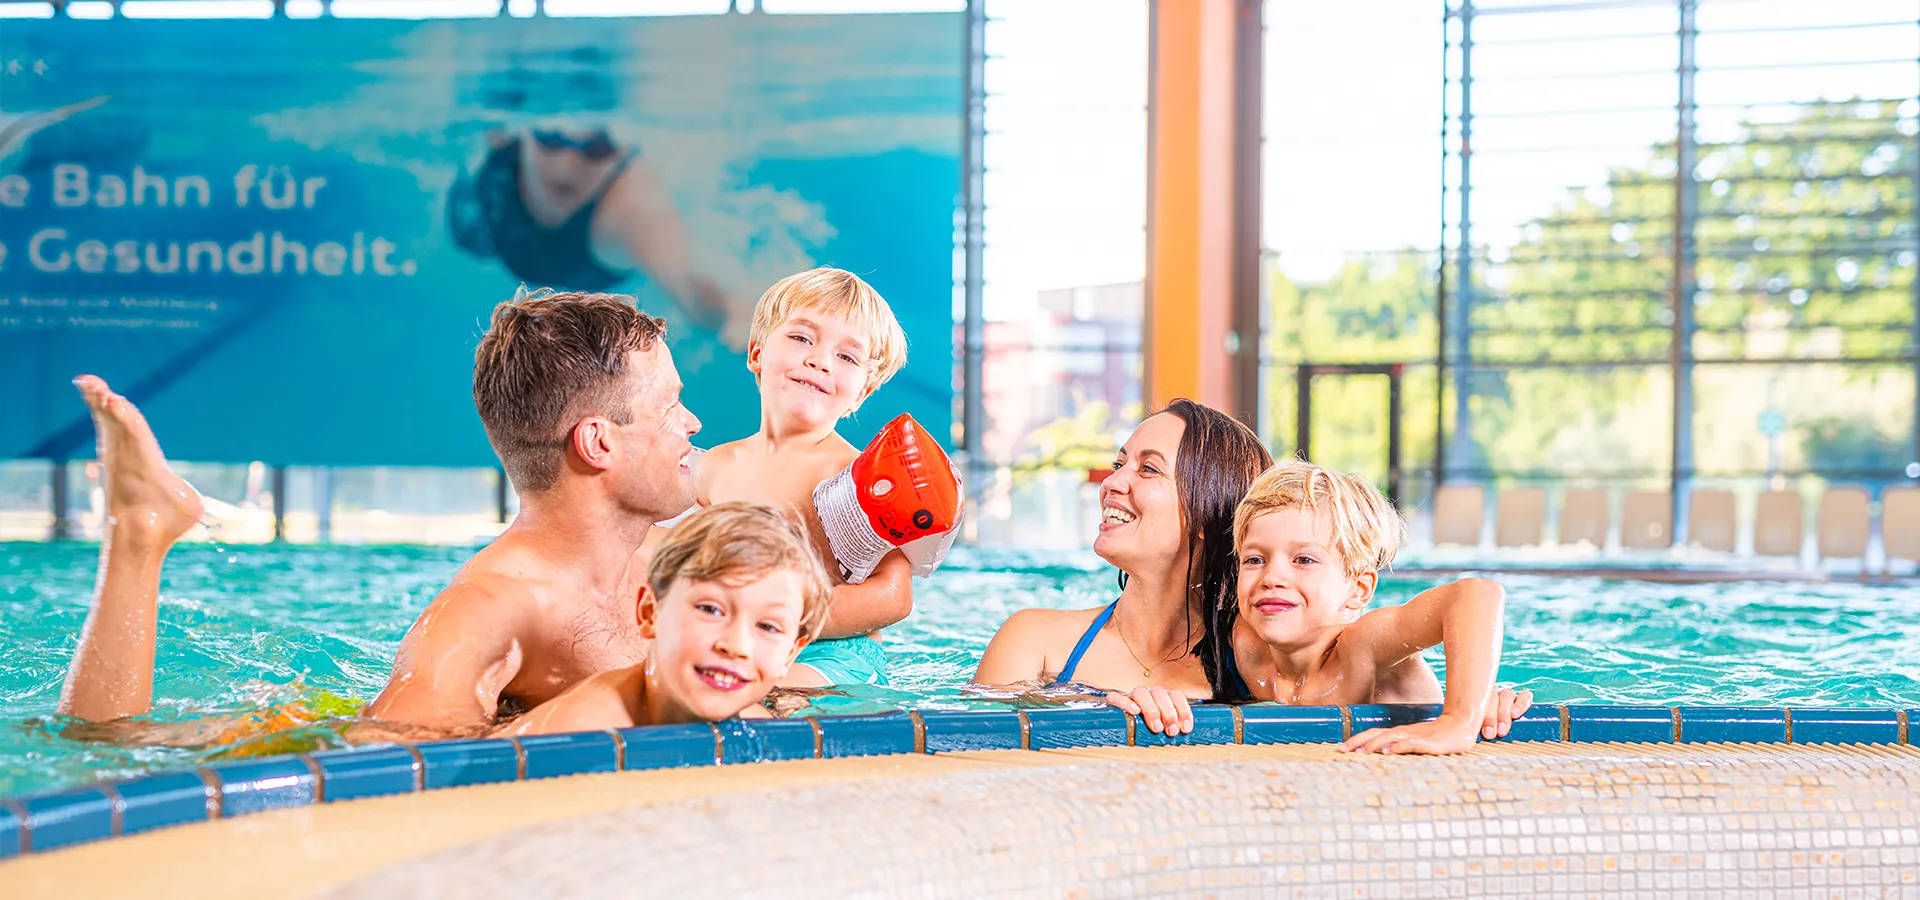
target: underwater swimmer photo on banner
<point>283,238</point>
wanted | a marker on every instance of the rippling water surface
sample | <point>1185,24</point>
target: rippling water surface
<point>241,627</point>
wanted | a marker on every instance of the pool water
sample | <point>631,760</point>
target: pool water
<point>246,626</point>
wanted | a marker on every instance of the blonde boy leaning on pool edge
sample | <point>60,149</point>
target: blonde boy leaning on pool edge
<point>821,343</point>
<point>1310,543</point>
<point>732,595</point>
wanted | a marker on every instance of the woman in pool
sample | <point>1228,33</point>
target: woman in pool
<point>1166,522</point>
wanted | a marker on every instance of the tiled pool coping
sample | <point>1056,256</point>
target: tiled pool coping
<point>95,812</point>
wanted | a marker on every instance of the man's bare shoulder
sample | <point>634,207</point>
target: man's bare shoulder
<point>500,583</point>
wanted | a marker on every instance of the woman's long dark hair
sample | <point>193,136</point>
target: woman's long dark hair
<point>1216,463</point>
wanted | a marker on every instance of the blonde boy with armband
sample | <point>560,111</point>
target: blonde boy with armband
<point>1310,543</point>
<point>822,341</point>
<point>732,595</point>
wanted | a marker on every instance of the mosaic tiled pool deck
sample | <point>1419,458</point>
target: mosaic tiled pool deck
<point>1517,825</point>
<point>1578,801</point>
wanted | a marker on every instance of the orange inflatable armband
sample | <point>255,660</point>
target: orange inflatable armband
<point>901,492</point>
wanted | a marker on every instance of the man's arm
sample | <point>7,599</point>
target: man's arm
<point>884,598</point>
<point>455,661</point>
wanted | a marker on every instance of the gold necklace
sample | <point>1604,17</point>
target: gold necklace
<point>1146,671</point>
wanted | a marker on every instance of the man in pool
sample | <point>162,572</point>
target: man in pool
<point>581,401</point>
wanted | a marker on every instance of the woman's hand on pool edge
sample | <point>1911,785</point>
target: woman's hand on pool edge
<point>1163,711</point>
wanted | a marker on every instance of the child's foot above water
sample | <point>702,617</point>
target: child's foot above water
<point>146,501</point>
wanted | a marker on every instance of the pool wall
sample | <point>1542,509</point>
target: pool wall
<point>95,812</point>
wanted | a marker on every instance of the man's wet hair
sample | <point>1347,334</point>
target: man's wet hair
<point>548,360</point>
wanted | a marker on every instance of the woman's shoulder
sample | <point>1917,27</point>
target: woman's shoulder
<point>1044,621</point>
<point>1031,643</point>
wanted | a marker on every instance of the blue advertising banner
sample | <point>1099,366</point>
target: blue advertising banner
<point>283,238</point>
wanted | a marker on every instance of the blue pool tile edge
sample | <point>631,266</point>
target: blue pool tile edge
<point>1101,726</point>
<point>1622,724</point>
<point>560,755</point>
<point>95,812</point>
<point>1845,726</point>
<point>870,735</point>
<point>1731,724</point>
<point>950,731</point>
<point>12,830</point>
<point>263,785</point>
<point>64,818</point>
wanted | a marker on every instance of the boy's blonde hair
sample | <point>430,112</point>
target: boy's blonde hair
<point>1366,528</point>
<point>743,542</point>
<point>837,292</point>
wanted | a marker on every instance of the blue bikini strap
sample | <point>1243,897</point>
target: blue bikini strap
<point>1086,640</point>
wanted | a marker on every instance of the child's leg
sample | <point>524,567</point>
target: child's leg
<point>148,508</point>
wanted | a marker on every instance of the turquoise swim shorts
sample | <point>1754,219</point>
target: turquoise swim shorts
<point>851,660</point>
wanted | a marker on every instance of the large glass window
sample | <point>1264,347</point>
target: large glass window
<point>1668,245</point>
<point>1064,255</point>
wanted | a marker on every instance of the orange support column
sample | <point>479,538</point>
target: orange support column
<point>1203,193</point>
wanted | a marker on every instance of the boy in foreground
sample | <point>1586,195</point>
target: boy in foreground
<point>1311,542</point>
<point>732,595</point>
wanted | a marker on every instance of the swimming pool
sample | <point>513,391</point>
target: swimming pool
<point>238,624</point>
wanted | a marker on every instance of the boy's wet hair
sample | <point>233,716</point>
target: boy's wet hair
<point>837,292</point>
<point>1366,529</point>
<point>743,542</point>
<point>547,361</point>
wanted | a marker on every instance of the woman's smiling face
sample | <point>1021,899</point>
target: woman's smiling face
<point>1142,527</point>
